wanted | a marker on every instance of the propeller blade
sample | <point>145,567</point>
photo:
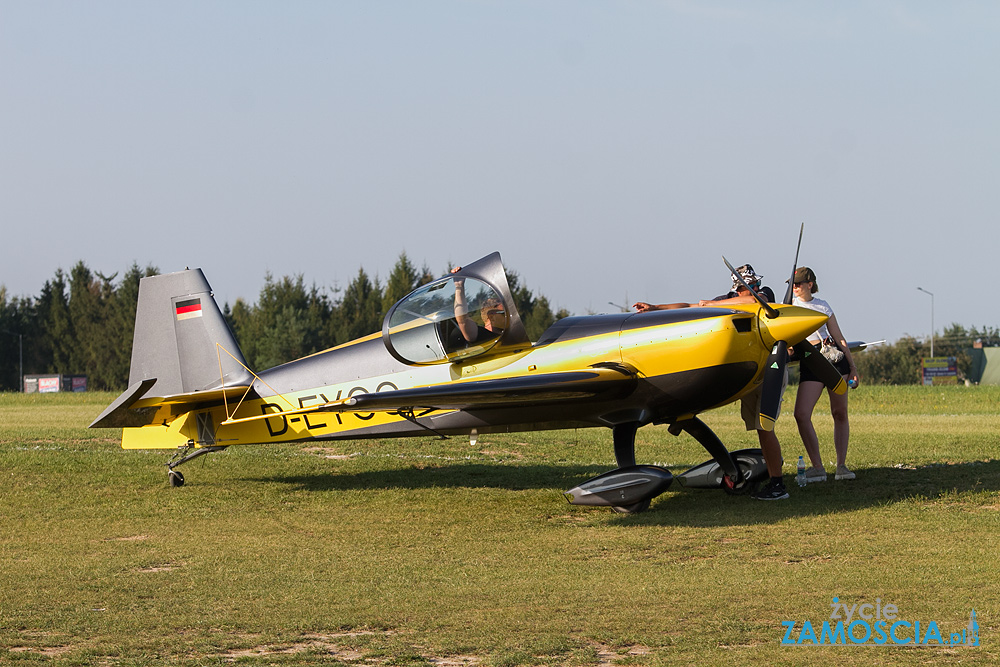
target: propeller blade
<point>795,265</point>
<point>774,377</point>
<point>820,366</point>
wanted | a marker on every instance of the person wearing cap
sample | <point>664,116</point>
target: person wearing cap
<point>830,340</point>
<point>740,294</point>
<point>737,295</point>
<point>774,489</point>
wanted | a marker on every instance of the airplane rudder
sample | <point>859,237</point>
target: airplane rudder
<point>179,330</point>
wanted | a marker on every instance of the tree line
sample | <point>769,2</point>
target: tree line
<point>82,322</point>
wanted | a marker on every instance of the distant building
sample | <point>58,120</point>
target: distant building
<point>985,368</point>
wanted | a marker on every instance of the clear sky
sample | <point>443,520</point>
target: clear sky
<point>611,151</point>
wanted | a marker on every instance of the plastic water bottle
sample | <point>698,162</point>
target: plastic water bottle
<point>800,474</point>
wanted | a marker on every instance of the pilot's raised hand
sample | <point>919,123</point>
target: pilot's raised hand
<point>643,307</point>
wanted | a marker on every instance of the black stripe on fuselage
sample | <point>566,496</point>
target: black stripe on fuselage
<point>690,392</point>
<point>572,328</point>
<point>660,399</point>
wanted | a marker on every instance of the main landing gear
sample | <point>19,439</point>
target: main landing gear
<point>737,479</point>
<point>623,436</point>
<point>183,455</point>
<point>630,488</point>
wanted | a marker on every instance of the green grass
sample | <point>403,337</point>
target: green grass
<point>422,551</point>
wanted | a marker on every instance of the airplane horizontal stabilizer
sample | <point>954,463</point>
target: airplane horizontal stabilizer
<point>130,410</point>
<point>118,415</point>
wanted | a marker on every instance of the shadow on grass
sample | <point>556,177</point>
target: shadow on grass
<point>455,475</point>
<point>874,487</point>
<point>679,506</point>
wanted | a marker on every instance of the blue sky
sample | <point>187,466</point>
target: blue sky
<point>610,151</point>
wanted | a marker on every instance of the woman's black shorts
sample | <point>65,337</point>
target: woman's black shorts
<point>805,375</point>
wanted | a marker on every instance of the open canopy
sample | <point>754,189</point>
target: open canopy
<point>461,316</point>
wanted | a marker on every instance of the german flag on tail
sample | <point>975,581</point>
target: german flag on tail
<point>188,308</point>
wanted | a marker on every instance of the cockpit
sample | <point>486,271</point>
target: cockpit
<point>448,320</point>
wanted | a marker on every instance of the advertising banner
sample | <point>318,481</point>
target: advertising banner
<point>48,385</point>
<point>939,370</point>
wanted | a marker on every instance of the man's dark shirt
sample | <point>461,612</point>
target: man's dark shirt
<point>765,292</point>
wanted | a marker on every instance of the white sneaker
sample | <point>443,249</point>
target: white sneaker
<point>815,474</point>
<point>843,473</point>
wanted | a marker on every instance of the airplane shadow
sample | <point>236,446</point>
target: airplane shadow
<point>466,475</point>
<point>679,506</point>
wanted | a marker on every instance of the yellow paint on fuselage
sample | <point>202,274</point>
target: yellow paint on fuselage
<point>686,346</point>
<point>282,428</point>
<point>169,435</point>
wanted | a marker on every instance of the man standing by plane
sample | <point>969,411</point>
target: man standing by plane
<point>750,402</point>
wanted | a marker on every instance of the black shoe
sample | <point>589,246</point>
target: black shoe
<point>772,491</point>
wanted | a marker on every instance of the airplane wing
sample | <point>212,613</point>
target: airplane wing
<point>602,380</point>
<point>545,388</point>
<point>858,345</point>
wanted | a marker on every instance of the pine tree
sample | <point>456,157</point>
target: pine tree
<point>59,335</point>
<point>403,280</point>
<point>120,324</point>
<point>360,310</point>
<point>10,341</point>
<point>287,322</point>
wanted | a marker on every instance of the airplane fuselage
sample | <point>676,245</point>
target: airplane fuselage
<point>680,362</point>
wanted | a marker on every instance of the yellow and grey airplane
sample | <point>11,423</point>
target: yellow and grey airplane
<point>453,358</point>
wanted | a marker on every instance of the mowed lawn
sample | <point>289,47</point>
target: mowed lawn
<point>430,552</point>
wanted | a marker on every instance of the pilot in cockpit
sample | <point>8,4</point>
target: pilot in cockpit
<point>492,312</point>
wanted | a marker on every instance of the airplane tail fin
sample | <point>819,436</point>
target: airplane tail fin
<point>182,339</point>
<point>182,350</point>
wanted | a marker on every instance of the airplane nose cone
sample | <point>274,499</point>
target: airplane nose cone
<point>793,324</point>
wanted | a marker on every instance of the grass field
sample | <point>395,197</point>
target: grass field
<point>430,552</point>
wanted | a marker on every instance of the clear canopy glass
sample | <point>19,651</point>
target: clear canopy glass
<point>448,320</point>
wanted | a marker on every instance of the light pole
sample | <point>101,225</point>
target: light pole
<point>932,317</point>
<point>623,309</point>
<point>20,357</point>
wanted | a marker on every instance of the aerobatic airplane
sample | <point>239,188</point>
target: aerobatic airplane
<point>453,359</point>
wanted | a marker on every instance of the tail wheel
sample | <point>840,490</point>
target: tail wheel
<point>175,478</point>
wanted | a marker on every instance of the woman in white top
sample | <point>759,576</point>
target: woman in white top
<point>810,387</point>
